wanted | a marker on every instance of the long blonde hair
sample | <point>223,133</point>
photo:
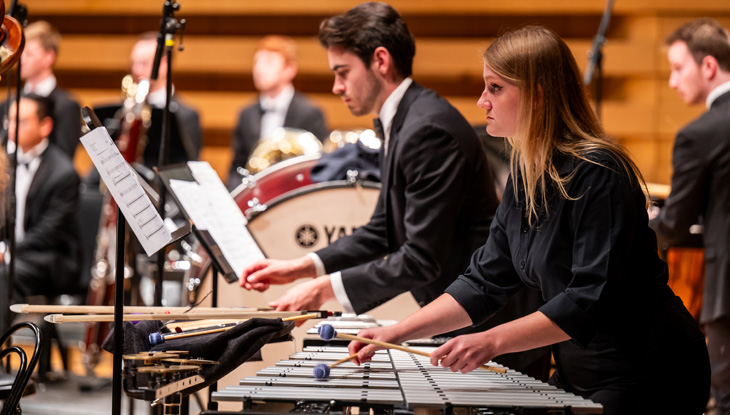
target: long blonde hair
<point>554,116</point>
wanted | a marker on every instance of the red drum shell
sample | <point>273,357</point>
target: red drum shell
<point>278,179</point>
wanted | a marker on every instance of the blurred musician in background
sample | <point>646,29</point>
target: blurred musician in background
<point>573,224</point>
<point>48,252</point>
<point>699,58</point>
<point>39,56</point>
<point>278,104</point>
<point>187,142</point>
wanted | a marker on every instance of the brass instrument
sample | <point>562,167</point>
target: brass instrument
<point>284,143</point>
<point>338,138</point>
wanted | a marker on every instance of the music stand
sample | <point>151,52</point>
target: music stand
<point>92,122</point>
<point>221,264</point>
<point>183,172</point>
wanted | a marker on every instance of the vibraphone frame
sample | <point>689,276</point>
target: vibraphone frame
<point>394,383</point>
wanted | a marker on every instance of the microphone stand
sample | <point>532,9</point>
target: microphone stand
<point>595,59</point>
<point>165,40</point>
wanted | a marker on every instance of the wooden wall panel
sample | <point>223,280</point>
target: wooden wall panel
<point>436,7</point>
<point>213,74</point>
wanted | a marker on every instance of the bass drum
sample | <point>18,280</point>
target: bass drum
<point>312,217</point>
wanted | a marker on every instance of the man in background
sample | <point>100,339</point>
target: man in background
<point>48,252</point>
<point>39,57</point>
<point>278,104</point>
<point>699,59</point>
<point>187,143</point>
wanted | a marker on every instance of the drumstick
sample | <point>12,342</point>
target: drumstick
<point>101,318</point>
<point>322,371</point>
<point>159,338</point>
<point>327,332</point>
<point>102,309</point>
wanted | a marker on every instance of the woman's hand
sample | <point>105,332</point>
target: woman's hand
<point>465,353</point>
<point>366,351</point>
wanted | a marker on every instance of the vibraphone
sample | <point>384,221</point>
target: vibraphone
<point>396,381</point>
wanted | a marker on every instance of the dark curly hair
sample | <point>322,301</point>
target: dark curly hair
<point>368,26</point>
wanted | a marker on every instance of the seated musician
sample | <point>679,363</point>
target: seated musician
<point>572,224</point>
<point>187,143</point>
<point>278,104</point>
<point>437,199</point>
<point>699,57</point>
<point>47,254</point>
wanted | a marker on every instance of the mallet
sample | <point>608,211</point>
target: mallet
<point>327,332</point>
<point>322,371</point>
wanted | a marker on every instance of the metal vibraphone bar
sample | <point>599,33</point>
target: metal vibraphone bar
<point>396,381</point>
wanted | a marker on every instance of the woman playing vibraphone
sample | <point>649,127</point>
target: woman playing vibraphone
<point>572,224</point>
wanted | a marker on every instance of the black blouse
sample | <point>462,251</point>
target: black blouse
<point>593,258</point>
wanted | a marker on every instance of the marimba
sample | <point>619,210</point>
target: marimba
<point>398,381</point>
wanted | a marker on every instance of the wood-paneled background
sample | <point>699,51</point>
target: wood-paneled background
<point>213,73</point>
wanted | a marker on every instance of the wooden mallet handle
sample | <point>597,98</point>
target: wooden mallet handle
<point>405,349</point>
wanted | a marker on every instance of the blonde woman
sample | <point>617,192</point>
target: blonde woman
<point>572,224</point>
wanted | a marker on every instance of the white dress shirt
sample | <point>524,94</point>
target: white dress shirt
<point>386,115</point>
<point>275,110</point>
<point>43,88</point>
<point>28,164</point>
<point>716,93</point>
<point>157,98</point>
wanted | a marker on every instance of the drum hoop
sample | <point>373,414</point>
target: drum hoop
<point>314,187</point>
<point>276,167</point>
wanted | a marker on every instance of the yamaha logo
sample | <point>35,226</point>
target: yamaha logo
<point>306,236</point>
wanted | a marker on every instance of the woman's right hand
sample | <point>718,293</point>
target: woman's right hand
<point>366,351</point>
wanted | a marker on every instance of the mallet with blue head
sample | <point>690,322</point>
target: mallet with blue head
<point>327,332</point>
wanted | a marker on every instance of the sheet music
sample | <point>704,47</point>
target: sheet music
<point>121,181</point>
<point>212,208</point>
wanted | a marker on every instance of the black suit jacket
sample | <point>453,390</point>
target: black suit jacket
<point>301,114</point>
<point>51,243</point>
<point>434,209</point>
<point>701,189</point>
<point>186,137</point>
<point>66,121</point>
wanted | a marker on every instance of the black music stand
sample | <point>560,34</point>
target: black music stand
<point>182,172</point>
<point>92,122</point>
<point>220,263</point>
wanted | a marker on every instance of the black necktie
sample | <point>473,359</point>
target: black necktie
<point>378,127</point>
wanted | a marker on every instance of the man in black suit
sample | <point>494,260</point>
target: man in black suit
<point>39,56</point>
<point>437,199</point>
<point>47,253</point>
<point>278,105</point>
<point>699,58</point>
<point>187,143</point>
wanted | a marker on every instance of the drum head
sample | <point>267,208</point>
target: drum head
<point>312,217</point>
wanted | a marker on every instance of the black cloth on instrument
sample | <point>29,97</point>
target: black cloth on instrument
<point>231,348</point>
<point>352,156</point>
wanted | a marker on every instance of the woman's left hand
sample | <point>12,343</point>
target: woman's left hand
<point>465,353</point>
